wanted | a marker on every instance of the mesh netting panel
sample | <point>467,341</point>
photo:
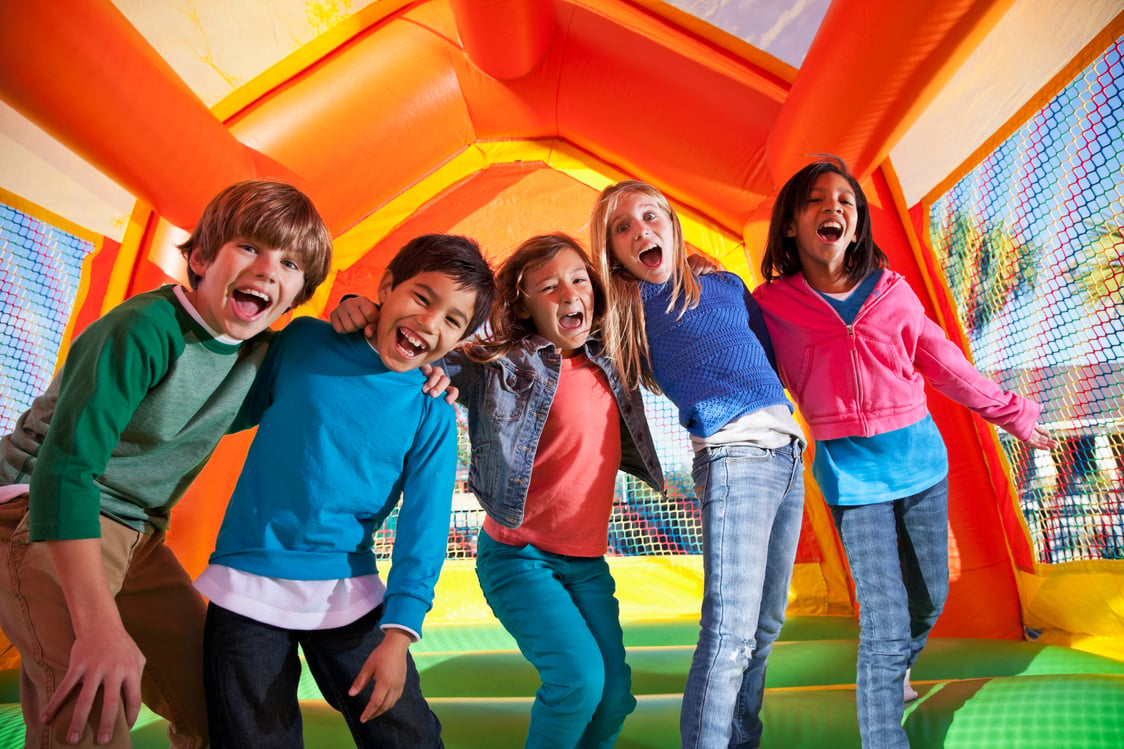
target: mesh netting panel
<point>1032,244</point>
<point>643,522</point>
<point>40,267</point>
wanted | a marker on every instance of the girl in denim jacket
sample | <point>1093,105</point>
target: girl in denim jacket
<point>858,349</point>
<point>550,424</point>
<point>700,339</point>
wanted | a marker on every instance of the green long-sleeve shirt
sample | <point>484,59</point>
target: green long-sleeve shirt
<point>141,401</point>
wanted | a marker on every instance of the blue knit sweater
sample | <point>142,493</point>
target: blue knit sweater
<point>715,362</point>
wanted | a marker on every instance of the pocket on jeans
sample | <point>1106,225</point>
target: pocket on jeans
<point>13,518</point>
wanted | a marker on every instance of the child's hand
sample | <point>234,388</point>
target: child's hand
<point>1041,439</point>
<point>701,264</point>
<point>107,665</point>
<point>438,383</point>
<point>355,313</point>
<point>386,667</point>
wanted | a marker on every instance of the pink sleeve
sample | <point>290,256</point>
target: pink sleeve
<point>946,368</point>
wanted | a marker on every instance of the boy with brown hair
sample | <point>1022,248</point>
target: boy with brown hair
<point>103,614</point>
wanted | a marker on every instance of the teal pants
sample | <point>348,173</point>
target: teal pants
<point>564,615</point>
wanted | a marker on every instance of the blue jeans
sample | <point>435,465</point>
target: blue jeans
<point>898,553</point>
<point>564,615</point>
<point>251,676</point>
<point>752,507</point>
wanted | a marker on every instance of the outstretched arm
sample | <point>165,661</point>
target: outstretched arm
<point>104,657</point>
<point>1041,439</point>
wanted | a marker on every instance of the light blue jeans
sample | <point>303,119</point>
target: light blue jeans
<point>898,553</point>
<point>752,503</point>
<point>565,617</point>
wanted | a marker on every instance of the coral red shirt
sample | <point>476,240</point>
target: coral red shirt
<point>575,471</point>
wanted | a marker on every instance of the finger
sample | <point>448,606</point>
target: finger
<point>451,395</point>
<point>58,698</point>
<point>371,331</point>
<point>132,694</point>
<point>82,707</point>
<point>111,702</point>
<point>377,705</point>
<point>360,681</point>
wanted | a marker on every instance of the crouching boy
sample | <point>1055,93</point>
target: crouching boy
<point>101,611</point>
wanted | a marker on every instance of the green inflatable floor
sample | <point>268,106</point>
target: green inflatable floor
<point>975,694</point>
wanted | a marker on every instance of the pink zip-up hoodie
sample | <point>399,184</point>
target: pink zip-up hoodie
<point>868,378</point>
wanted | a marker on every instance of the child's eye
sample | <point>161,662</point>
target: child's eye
<point>422,299</point>
<point>248,248</point>
<point>291,264</point>
<point>649,216</point>
<point>620,228</point>
<point>548,288</point>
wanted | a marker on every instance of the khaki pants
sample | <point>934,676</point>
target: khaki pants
<point>160,610</point>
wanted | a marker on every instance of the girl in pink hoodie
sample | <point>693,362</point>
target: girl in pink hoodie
<point>854,348</point>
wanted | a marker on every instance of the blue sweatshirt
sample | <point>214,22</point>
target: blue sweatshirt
<point>341,439</point>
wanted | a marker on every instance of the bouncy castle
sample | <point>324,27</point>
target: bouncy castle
<point>988,137</point>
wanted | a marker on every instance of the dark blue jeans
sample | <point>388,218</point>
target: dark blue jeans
<point>251,676</point>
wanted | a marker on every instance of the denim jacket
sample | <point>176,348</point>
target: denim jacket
<point>508,400</point>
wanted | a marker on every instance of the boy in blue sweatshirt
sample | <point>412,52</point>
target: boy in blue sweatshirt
<point>344,432</point>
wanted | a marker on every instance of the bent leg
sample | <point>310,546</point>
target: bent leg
<point>35,618</point>
<point>336,656</point>
<point>869,535</point>
<point>525,589</point>
<point>165,617</point>
<point>251,673</point>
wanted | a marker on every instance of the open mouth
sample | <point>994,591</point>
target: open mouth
<point>830,231</point>
<point>410,345</point>
<point>249,303</point>
<point>572,321</point>
<point>652,257</point>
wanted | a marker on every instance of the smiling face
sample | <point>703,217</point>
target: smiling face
<point>245,288</point>
<point>642,237</point>
<point>827,224</point>
<point>421,319</point>
<point>558,297</point>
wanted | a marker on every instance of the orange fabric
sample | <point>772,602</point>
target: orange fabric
<point>870,72</point>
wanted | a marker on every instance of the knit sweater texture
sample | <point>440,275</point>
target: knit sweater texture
<point>714,360</point>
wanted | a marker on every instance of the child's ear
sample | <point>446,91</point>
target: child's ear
<point>789,229</point>
<point>198,266</point>
<point>385,285</point>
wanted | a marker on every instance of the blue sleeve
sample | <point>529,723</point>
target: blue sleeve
<point>757,325</point>
<point>422,534</point>
<point>261,392</point>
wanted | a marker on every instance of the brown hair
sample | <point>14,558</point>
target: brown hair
<point>509,323</point>
<point>270,214</point>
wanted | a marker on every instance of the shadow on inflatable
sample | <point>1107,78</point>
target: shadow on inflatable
<point>974,694</point>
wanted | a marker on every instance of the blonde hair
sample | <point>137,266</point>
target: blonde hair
<point>509,322</point>
<point>625,338</point>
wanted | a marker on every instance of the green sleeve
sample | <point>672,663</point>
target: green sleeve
<point>110,369</point>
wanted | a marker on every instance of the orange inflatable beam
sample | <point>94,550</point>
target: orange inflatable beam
<point>872,69</point>
<point>84,74</point>
<point>505,38</point>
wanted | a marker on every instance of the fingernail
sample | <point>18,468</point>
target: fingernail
<point>72,738</point>
<point>104,738</point>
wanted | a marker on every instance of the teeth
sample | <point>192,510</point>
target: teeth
<point>832,224</point>
<point>254,292</point>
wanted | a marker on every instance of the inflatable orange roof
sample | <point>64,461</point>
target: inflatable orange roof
<point>504,119</point>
